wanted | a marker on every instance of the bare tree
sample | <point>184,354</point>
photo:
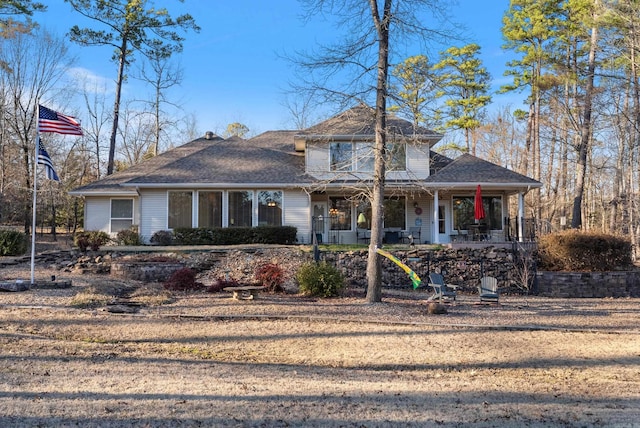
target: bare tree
<point>136,133</point>
<point>38,63</point>
<point>375,31</point>
<point>301,109</point>
<point>161,74</point>
<point>98,117</point>
<point>586,127</point>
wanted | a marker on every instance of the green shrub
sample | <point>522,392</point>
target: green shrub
<point>271,276</point>
<point>162,237</point>
<point>12,243</point>
<point>92,239</point>
<point>283,235</point>
<point>128,237</point>
<point>583,251</point>
<point>320,279</point>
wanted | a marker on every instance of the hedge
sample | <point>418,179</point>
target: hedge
<point>236,235</point>
<point>584,251</point>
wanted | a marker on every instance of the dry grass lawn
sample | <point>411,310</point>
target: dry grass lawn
<point>285,360</point>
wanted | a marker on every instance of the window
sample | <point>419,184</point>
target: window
<point>270,208</point>
<point>463,212</point>
<point>240,209</point>
<point>396,157</point>
<point>395,212</point>
<point>121,214</point>
<point>341,156</point>
<point>441,220</point>
<point>209,209</point>
<point>364,157</point>
<point>339,214</point>
<point>180,209</point>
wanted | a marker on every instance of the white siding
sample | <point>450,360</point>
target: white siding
<point>153,212</point>
<point>97,213</point>
<point>317,158</point>
<point>423,219</point>
<point>418,160</point>
<point>297,214</point>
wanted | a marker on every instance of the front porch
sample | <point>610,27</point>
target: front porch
<point>446,218</point>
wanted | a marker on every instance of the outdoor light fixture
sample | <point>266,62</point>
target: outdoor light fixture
<point>415,204</point>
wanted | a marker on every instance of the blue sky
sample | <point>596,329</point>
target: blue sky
<point>233,70</point>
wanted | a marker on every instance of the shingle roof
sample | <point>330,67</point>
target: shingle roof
<point>468,169</point>
<point>268,158</point>
<point>113,182</point>
<point>437,162</point>
<point>361,121</point>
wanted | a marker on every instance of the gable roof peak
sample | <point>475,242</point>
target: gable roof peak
<point>360,122</point>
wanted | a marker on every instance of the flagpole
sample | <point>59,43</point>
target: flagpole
<point>33,209</point>
<point>48,121</point>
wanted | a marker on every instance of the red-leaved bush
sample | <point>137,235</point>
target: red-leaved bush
<point>183,280</point>
<point>271,276</point>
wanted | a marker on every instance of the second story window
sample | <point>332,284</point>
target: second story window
<point>364,157</point>
<point>396,157</point>
<point>341,155</point>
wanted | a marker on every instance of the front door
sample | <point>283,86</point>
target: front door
<point>443,236</point>
<point>319,221</point>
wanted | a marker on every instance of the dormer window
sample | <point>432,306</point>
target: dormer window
<point>341,154</point>
<point>347,156</point>
<point>364,157</point>
<point>396,157</point>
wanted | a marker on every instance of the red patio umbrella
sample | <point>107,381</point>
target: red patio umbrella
<point>478,208</point>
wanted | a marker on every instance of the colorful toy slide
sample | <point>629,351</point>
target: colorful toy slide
<point>412,275</point>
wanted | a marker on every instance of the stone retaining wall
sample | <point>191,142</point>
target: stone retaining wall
<point>144,271</point>
<point>588,284</point>
<point>461,266</point>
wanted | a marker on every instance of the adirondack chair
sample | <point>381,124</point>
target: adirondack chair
<point>488,289</point>
<point>441,291</point>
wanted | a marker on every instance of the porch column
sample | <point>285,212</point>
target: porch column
<point>520,216</point>
<point>436,220</point>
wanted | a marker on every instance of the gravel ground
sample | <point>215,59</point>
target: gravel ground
<point>287,360</point>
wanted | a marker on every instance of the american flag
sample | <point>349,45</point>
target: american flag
<point>51,121</point>
<point>45,159</point>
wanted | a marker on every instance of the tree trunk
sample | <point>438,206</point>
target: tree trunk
<point>374,269</point>
<point>585,134</point>
<point>116,105</point>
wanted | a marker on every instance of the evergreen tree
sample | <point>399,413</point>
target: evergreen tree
<point>132,26</point>
<point>464,82</point>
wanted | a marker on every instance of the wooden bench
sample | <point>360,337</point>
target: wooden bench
<point>246,292</point>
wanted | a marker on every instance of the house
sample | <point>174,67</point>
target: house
<point>315,180</point>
